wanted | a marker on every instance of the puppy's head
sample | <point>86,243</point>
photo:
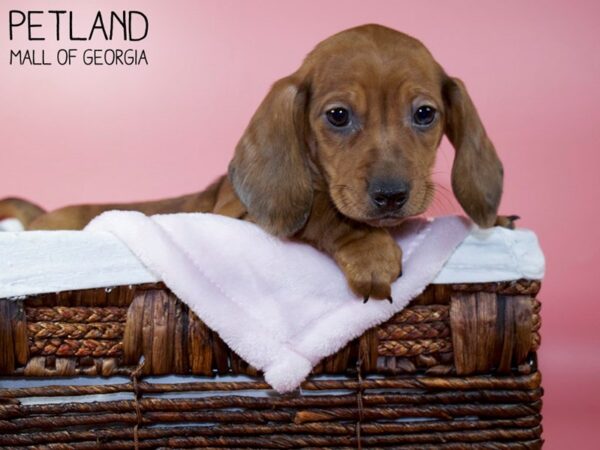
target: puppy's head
<point>363,117</point>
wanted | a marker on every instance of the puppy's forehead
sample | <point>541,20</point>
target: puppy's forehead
<point>372,56</point>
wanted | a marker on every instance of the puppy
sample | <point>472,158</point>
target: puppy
<point>338,152</point>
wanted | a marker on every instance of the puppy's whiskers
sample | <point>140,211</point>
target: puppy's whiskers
<point>437,194</point>
<point>341,200</point>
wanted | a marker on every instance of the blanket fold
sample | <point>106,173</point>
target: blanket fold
<point>282,306</point>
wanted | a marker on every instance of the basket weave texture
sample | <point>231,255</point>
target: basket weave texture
<point>455,369</point>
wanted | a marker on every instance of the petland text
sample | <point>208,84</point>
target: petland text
<point>63,25</point>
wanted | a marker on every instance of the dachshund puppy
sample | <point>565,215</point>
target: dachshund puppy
<point>343,149</point>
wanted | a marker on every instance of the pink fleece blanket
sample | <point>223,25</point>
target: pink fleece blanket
<point>280,305</point>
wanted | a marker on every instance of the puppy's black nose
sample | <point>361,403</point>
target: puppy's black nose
<point>389,195</point>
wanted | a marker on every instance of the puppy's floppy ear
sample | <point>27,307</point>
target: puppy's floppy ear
<point>477,171</point>
<point>269,170</point>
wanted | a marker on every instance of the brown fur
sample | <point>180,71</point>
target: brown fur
<point>297,177</point>
<point>20,209</point>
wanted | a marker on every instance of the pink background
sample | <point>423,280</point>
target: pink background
<point>89,133</point>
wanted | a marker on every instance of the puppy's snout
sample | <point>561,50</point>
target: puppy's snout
<point>389,196</point>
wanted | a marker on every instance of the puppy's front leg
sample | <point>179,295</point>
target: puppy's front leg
<point>371,261</point>
<point>368,256</point>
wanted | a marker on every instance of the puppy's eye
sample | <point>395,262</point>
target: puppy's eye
<point>338,117</point>
<point>424,116</point>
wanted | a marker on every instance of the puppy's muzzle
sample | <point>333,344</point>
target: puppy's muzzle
<point>389,196</point>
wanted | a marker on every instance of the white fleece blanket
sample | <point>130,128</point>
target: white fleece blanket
<point>281,306</point>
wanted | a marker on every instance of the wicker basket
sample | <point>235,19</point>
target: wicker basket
<point>455,369</point>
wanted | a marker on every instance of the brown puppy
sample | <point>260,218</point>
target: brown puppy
<point>343,148</point>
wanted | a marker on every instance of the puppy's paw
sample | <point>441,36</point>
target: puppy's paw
<point>506,221</point>
<point>371,264</point>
